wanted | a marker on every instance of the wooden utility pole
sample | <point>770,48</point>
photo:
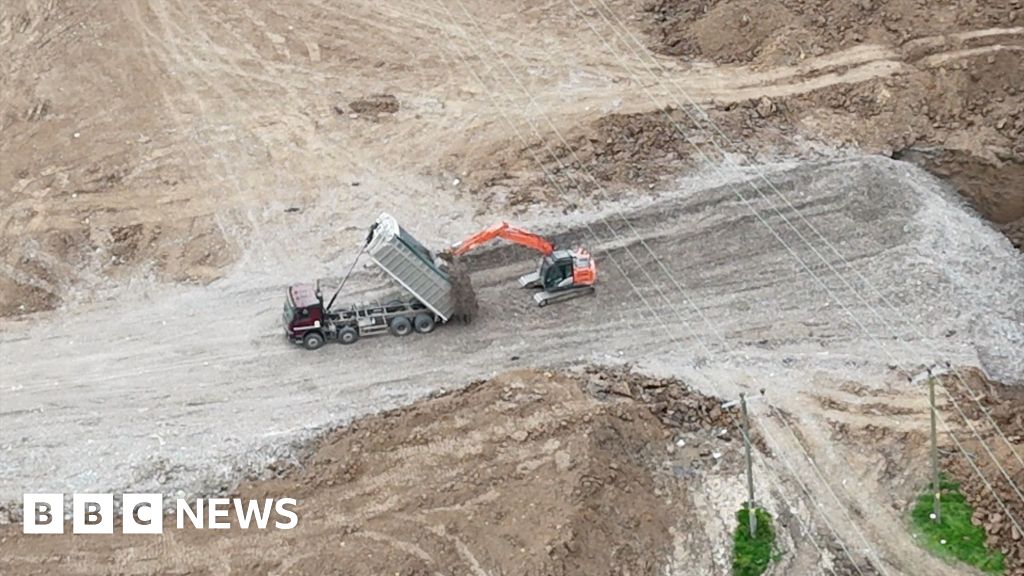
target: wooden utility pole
<point>930,375</point>
<point>936,487</point>
<point>751,515</point>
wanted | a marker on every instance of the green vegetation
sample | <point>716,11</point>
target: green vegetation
<point>955,536</point>
<point>751,556</point>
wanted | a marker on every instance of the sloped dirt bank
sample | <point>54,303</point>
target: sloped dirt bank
<point>527,473</point>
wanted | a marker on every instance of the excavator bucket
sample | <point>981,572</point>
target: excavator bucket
<point>531,280</point>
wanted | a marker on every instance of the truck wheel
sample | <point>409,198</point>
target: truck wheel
<point>401,326</point>
<point>348,335</point>
<point>313,340</point>
<point>424,323</point>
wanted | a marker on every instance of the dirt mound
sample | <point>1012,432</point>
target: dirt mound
<point>528,473</point>
<point>616,154</point>
<point>962,120</point>
<point>785,31</point>
<point>189,132</point>
<point>1004,404</point>
<point>99,182</point>
<point>30,289</point>
<point>955,105</point>
<point>1015,232</point>
<point>375,105</point>
<point>147,142</point>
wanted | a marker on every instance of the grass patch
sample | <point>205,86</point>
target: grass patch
<point>955,536</point>
<point>751,556</point>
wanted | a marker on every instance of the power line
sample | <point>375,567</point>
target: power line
<point>772,205</point>
<point>806,242</point>
<point>565,143</point>
<point>555,156</point>
<point>761,175</point>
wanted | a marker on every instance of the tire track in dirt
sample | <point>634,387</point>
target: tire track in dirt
<point>238,364</point>
<point>166,62</point>
<point>737,83</point>
<point>209,67</point>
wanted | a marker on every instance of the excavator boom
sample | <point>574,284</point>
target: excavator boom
<point>503,230</point>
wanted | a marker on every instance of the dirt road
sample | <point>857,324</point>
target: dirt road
<point>202,388</point>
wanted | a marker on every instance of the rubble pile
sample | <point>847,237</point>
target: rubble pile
<point>993,508</point>
<point>701,420</point>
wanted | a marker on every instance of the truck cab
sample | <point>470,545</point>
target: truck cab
<point>304,317</point>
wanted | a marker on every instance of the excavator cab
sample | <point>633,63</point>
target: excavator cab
<point>562,274</point>
<point>564,269</point>
<point>556,271</point>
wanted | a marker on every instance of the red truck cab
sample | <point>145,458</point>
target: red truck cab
<point>304,315</point>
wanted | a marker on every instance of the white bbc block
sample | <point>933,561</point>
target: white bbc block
<point>92,514</point>
<point>43,514</point>
<point>142,514</point>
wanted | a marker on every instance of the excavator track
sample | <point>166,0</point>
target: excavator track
<point>545,298</point>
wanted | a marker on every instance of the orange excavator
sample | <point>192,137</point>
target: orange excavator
<point>562,274</point>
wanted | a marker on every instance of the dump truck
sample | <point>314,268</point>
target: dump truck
<point>427,299</point>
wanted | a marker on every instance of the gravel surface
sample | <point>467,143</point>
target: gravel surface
<point>186,390</point>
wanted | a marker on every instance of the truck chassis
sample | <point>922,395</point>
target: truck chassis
<point>348,325</point>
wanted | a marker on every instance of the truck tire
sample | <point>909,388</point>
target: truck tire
<point>400,326</point>
<point>348,335</point>
<point>424,323</point>
<point>313,340</point>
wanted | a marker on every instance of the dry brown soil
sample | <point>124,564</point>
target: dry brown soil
<point>144,142</point>
<point>527,473</point>
<point>159,141</point>
<point>993,442</point>
<point>990,426</point>
<point>940,86</point>
<point>956,104</point>
<point>591,471</point>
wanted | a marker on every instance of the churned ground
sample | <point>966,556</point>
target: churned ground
<point>849,217</point>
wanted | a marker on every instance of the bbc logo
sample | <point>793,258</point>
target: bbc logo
<point>93,514</point>
<point>143,513</point>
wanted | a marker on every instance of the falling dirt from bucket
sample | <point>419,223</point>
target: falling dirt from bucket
<point>462,289</point>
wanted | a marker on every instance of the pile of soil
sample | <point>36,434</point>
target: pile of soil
<point>618,154</point>
<point>676,405</point>
<point>1004,404</point>
<point>375,104</point>
<point>1015,232</point>
<point>527,473</point>
<point>99,183</point>
<point>783,31</point>
<point>955,105</point>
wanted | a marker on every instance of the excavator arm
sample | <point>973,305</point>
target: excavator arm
<point>503,230</point>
